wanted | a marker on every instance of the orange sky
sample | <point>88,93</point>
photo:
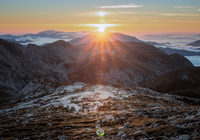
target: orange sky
<point>21,17</point>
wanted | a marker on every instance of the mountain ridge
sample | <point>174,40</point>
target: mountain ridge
<point>110,62</point>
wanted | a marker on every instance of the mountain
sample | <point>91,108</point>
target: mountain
<point>194,44</point>
<point>122,63</point>
<point>182,81</point>
<point>43,37</point>
<point>107,37</point>
<point>49,32</point>
<point>106,62</point>
<point>42,96</point>
<point>181,52</point>
<point>20,65</point>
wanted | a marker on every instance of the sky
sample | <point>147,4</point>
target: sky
<point>126,16</point>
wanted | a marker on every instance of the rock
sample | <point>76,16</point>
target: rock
<point>144,139</point>
<point>84,135</point>
<point>126,124</point>
<point>108,119</point>
<point>184,137</point>
<point>121,128</point>
<point>145,134</point>
<point>98,126</point>
<point>119,134</point>
<point>87,129</point>
<point>172,138</point>
<point>137,132</point>
<point>50,124</point>
<point>63,137</point>
<point>96,122</point>
<point>165,138</point>
<point>124,135</point>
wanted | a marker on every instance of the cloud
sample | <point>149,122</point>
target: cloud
<point>172,14</point>
<point>183,7</point>
<point>169,36</point>
<point>198,10</point>
<point>190,15</point>
<point>127,12</point>
<point>121,6</point>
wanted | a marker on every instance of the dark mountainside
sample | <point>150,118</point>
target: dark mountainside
<point>182,81</point>
<point>103,62</point>
<point>195,44</point>
<point>42,96</point>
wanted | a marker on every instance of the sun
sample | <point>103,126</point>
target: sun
<point>101,13</point>
<point>101,29</point>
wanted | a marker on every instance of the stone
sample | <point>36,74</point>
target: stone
<point>119,134</point>
<point>63,137</point>
<point>126,124</point>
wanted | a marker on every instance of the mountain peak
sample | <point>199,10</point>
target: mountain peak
<point>59,43</point>
<point>98,37</point>
<point>194,44</point>
<point>49,32</point>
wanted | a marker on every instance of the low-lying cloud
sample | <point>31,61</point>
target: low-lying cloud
<point>131,5</point>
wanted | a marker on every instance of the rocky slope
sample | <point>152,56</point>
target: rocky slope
<point>76,111</point>
<point>183,81</point>
<point>105,62</point>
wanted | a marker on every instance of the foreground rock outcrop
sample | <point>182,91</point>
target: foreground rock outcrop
<point>77,111</point>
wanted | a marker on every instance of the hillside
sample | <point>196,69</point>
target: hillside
<point>181,81</point>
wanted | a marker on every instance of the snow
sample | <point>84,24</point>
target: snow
<point>72,98</point>
<point>79,98</point>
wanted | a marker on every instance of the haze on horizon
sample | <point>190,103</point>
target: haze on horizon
<point>128,16</point>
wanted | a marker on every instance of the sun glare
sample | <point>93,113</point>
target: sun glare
<point>102,27</point>
<point>101,13</point>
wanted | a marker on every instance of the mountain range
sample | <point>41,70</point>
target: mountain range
<point>101,61</point>
<point>132,90</point>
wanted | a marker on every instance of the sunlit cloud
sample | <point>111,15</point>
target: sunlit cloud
<point>131,5</point>
<point>192,15</point>
<point>126,12</point>
<point>198,10</point>
<point>183,7</point>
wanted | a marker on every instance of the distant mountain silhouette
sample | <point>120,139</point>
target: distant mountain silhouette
<point>107,37</point>
<point>195,44</point>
